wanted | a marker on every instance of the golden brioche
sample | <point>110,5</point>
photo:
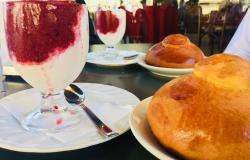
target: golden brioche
<point>175,51</point>
<point>206,115</point>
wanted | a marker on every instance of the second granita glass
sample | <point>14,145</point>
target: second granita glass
<point>110,27</point>
<point>48,44</point>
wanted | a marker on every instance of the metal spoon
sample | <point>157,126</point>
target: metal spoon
<point>75,95</point>
<point>130,57</point>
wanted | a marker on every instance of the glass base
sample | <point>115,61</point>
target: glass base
<point>56,118</point>
<point>111,54</point>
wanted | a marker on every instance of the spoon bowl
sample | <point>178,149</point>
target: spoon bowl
<point>74,94</point>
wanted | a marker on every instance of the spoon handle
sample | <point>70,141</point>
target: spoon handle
<point>130,57</point>
<point>103,128</point>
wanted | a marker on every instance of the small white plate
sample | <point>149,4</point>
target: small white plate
<point>161,71</point>
<point>97,58</point>
<point>99,98</point>
<point>142,132</point>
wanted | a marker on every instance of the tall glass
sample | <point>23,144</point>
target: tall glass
<point>110,26</point>
<point>48,43</point>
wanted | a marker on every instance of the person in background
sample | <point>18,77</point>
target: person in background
<point>240,43</point>
<point>182,4</point>
<point>224,4</point>
<point>181,11</point>
<point>192,2</point>
<point>191,15</point>
<point>191,7</point>
<point>175,3</point>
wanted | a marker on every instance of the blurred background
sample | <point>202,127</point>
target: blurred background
<point>210,24</point>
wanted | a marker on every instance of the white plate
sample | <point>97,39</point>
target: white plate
<point>166,72</point>
<point>96,58</point>
<point>141,130</point>
<point>100,98</point>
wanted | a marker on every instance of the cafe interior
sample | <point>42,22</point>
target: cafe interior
<point>210,24</point>
<point>124,80</point>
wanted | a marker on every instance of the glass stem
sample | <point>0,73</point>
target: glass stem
<point>111,52</point>
<point>51,103</point>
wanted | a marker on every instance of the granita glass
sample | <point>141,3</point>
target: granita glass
<point>110,26</point>
<point>48,44</point>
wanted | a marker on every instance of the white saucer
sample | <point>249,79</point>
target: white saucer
<point>98,59</point>
<point>165,72</point>
<point>111,104</point>
<point>142,132</point>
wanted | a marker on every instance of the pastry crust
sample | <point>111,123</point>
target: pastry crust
<point>205,115</point>
<point>175,51</point>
